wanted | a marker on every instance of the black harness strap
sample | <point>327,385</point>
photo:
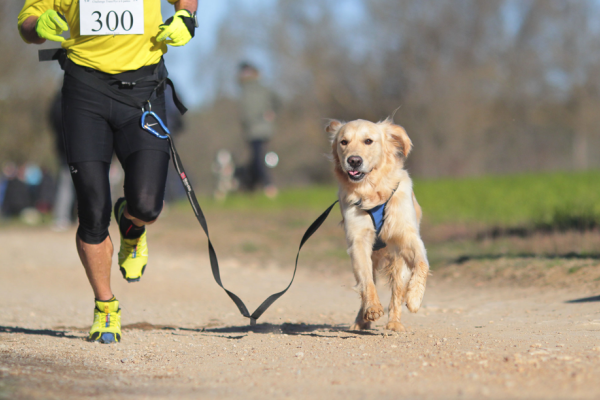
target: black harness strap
<point>182,109</point>
<point>214,263</point>
<point>51,54</point>
<point>104,87</point>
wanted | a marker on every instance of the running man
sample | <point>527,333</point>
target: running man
<point>113,62</point>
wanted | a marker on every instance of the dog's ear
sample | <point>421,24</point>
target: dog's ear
<point>398,136</point>
<point>333,127</point>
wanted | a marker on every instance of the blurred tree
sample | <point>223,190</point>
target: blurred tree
<point>491,86</point>
<point>26,88</point>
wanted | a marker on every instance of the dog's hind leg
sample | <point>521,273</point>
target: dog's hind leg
<point>399,275</point>
<point>420,270</point>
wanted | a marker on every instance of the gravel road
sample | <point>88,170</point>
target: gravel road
<point>183,338</point>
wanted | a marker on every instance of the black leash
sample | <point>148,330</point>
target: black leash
<point>214,263</point>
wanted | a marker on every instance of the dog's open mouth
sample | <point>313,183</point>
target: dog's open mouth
<point>356,175</point>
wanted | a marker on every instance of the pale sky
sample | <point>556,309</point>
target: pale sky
<point>181,61</point>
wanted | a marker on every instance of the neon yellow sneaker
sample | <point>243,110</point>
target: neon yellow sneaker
<point>107,322</point>
<point>133,254</point>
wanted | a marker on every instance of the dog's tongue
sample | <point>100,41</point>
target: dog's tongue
<point>354,173</point>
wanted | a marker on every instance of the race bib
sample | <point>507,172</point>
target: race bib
<point>111,17</point>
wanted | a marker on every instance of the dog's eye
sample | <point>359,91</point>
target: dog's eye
<point>368,141</point>
<point>344,142</point>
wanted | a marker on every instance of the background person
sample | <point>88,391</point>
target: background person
<point>257,113</point>
<point>105,74</point>
<point>64,201</point>
<point>16,195</point>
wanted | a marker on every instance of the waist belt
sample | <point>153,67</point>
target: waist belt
<point>107,87</point>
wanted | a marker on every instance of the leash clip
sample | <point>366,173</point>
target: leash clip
<point>148,127</point>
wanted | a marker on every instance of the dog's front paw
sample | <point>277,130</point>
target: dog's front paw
<point>373,313</point>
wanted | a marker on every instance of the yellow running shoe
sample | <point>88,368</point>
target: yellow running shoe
<point>133,254</point>
<point>107,322</point>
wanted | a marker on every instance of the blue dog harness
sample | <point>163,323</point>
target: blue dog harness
<point>377,215</point>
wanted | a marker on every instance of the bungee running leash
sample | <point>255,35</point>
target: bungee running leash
<point>214,263</point>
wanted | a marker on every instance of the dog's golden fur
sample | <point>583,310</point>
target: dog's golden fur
<point>377,177</point>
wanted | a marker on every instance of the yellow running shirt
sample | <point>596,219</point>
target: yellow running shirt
<point>112,54</point>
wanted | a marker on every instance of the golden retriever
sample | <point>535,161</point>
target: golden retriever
<point>369,165</point>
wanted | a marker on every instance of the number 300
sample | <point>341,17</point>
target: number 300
<point>112,20</point>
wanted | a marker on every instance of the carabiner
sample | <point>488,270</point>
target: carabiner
<point>147,127</point>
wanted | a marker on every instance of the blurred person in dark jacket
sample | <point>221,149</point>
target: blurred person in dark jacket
<point>257,113</point>
<point>14,194</point>
<point>20,187</point>
<point>64,201</point>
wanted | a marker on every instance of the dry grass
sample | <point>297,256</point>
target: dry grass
<point>267,238</point>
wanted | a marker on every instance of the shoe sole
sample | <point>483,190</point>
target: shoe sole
<point>131,280</point>
<point>105,338</point>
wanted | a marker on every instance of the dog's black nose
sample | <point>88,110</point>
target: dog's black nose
<point>355,161</point>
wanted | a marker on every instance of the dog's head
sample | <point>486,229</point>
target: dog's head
<point>360,147</point>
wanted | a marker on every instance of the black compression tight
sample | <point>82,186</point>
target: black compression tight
<point>145,179</point>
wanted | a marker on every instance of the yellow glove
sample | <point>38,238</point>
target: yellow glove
<point>50,25</point>
<point>179,28</point>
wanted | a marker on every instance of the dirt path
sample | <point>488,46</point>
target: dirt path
<point>184,338</point>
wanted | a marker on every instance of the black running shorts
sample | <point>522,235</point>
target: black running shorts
<point>95,124</point>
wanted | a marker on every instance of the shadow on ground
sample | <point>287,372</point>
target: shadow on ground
<point>567,256</point>
<point>41,332</point>
<point>291,329</point>
<point>592,299</point>
<point>316,330</point>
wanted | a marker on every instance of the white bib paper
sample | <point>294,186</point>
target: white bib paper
<point>111,17</point>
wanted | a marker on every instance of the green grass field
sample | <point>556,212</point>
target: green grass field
<point>552,198</point>
<point>555,211</point>
<point>547,201</point>
<point>562,200</point>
